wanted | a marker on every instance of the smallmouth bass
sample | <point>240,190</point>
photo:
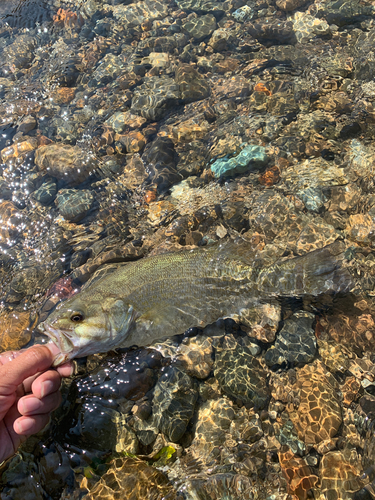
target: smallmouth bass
<point>164,295</point>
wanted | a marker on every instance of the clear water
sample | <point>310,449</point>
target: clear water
<point>134,128</point>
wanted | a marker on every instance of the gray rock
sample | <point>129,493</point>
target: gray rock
<point>239,373</point>
<point>134,14</point>
<point>174,400</point>
<point>155,97</point>
<point>46,193</point>
<point>201,27</point>
<point>296,343</point>
<point>192,85</point>
<point>73,204</point>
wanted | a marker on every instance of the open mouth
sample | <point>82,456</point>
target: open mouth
<point>60,338</point>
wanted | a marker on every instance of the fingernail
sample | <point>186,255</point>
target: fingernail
<point>47,388</point>
<point>29,405</point>
<point>24,426</point>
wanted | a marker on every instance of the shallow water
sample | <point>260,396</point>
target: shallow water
<point>134,128</point>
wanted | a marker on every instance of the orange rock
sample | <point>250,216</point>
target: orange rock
<point>150,196</point>
<point>270,176</point>
<point>63,95</point>
<point>68,19</point>
<point>300,477</point>
<point>10,221</point>
<point>43,140</point>
<point>15,329</point>
<point>18,150</point>
<point>261,87</point>
<point>350,390</point>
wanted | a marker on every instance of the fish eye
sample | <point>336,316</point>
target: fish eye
<point>76,317</point>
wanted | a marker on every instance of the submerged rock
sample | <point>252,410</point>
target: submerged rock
<point>240,374</point>
<point>155,97</point>
<point>131,478</point>
<point>318,416</point>
<point>68,163</point>
<point>296,343</point>
<point>15,329</point>
<point>73,204</point>
<point>213,421</point>
<point>174,399</point>
<point>250,158</point>
<point>200,27</point>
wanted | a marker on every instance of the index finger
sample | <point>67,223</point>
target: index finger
<point>28,363</point>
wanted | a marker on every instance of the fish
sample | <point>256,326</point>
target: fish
<point>156,297</point>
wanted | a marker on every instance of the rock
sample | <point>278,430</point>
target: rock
<point>157,59</point>
<point>160,161</point>
<point>131,478</point>
<point>18,151</point>
<point>316,235</point>
<point>313,173</point>
<point>274,32</point>
<point>73,204</point>
<point>263,319</point>
<point>288,5</point>
<point>27,124</point>
<point>355,332</point>
<point>46,193</point>
<point>120,121</point>
<point>244,13</point>
<point>63,95</point>
<point>192,85</point>
<point>236,87</point>
<point>68,163</point>
<point>19,54</point>
<point>333,355</point>
<point>15,329</point>
<point>249,159</point>
<point>340,471</point>
<point>361,228</point>
<point>276,218</point>
<point>195,356</point>
<point>22,470</point>
<point>134,173</point>
<point>33,280</point>
<point>155,97</point>
<point>120,378</point>
<point>133,141</point>
<point>240,374</point>
<point>220,40</point>
<point>135,14</point>
<point>202,6</point>
<point>110,67</point>
<point>296,343</point>
<point>104,429</point>
<point>213,421</point>
<point>317,417</point>
<point>173,403</point>
<point>11,222</point>
<point>300,477</point>
<point>200,27</point>
<point>342,12</point>
<point>189,131</point>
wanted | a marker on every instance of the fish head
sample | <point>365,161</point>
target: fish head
<point>80,326</point>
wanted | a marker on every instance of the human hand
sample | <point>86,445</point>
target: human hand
<point>28,393</point>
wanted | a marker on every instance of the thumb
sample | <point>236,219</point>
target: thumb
<point>29,362</point>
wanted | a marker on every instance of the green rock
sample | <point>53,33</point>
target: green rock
<point>249,159</point>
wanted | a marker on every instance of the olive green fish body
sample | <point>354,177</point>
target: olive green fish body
<point>164,295</point>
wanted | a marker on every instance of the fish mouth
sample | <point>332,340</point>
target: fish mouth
<point>62,340</point>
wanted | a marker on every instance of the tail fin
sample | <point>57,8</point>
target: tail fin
<point>318,272</point>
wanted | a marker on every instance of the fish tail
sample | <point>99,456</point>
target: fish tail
<point>318,272</point>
